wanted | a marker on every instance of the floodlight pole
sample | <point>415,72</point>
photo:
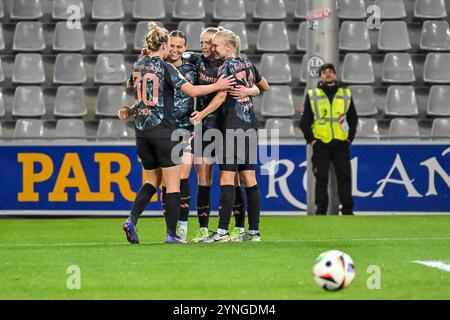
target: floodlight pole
<point>323,47</point>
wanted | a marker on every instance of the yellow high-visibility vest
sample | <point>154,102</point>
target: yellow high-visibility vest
<point>326,126</point>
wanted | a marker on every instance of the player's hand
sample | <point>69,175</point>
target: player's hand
<point>145,52</point>
<point>196,117</point>
<point>225,83</point>
<point>240,92</point>
<point>124,113</point>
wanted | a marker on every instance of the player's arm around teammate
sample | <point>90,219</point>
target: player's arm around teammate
<point>155,81</point>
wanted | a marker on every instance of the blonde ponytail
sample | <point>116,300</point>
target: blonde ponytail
<point>156,36</point>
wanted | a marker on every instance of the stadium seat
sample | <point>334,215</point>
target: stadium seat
<point>393,36</point>
<point>276,68</point>
<point>365,100</point>
<point>301,9</point>
<point>437,68</point>
<point>28,69</point>
<point>273,37</point>
<point>28,102</point>
<point>60,7</point>
<point>285,127</point>
<point>304,69</point>
<point>441,128</point>
<point>110,36</point>
<point>354,36</point>
<point>70,128</point>
<point>430,9</point>
<point>69,69</point>
<point>238,27</point>
<point>302,37</point>
<point>141,33</point>
<point>192,30</point>
<point>149,9</point>
<point>189,9</point>
<point>109,100</point>
<point>2,104</point>
<point>1,132</point>
<point>107,10</point>
<point>29,36</point>
<point>229,10</point>
<point>435,36</point>
<point>2,9</point>
<point>439,101</point>
<point>29,128</point>
<point>278,102</point>
<point>112,129</point>
<point>351,9</point>
<point>2,74</point>
<point>358,69</point>
<point>367,129</point>
<point>401,101</point>
<point>65,39</point>
<point>70,101</point>
<point>26,9</point>
<point>269,10</point>
<point>404,128</point>
<point>398,68</point>
<point>391,9</point>
<point>110,68</point>
<point>2,38</point>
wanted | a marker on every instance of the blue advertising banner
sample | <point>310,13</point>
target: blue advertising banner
<point>386,178</point>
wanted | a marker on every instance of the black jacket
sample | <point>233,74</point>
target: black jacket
<point>308,116</point>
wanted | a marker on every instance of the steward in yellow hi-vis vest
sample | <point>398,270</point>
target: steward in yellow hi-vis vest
<point>329,124</point>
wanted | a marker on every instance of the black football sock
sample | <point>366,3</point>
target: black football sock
<point>185,199</point>
<point>203,205</point>
<point>142,199</point>
<point>227,195</point>
<point>239,208</point>
<point>253,207</point>
<point>163,198</point>
<point>172,212</point>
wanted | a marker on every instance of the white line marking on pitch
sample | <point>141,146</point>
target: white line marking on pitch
<point>18,245</point>
<point>435,264</point>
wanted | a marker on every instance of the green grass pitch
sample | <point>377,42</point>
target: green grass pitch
<point>35,255</point>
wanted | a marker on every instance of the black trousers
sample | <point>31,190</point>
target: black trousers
<point>338,153</point>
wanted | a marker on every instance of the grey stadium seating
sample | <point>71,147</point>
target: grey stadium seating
<point>70,101</point>
<point>63,9</point>
<point>430,9</point>
<point>229,10</point>
<point>404,128</point>
<point>435,36</point>
<point>285,127</point>
<point>391,9</point>
<point>149,10</point>
<point>28,102</point>
<point>29,128</point>
<point>278,102</point>
<point>367,128</point>
<point>239,28</point>
<point>192,30</point>
<point>276,68</point>
<point>401,101</point>
<point>69,69</point>
<point>110,37</point>
<point>28,69</point>
<point>26,9</point>
<point>273,37</point>
<point>68,39</point>
<point>189,9</point>
<point>109,100</point>
<point>107,10</point>
<point>29,36</point>
<point>441,128</point>
<point>352,9</point>
<point>112,129</point>
<point>110,68</point>
<point>439,101</point>
<point>269,10</point>
<point>70,128</point>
